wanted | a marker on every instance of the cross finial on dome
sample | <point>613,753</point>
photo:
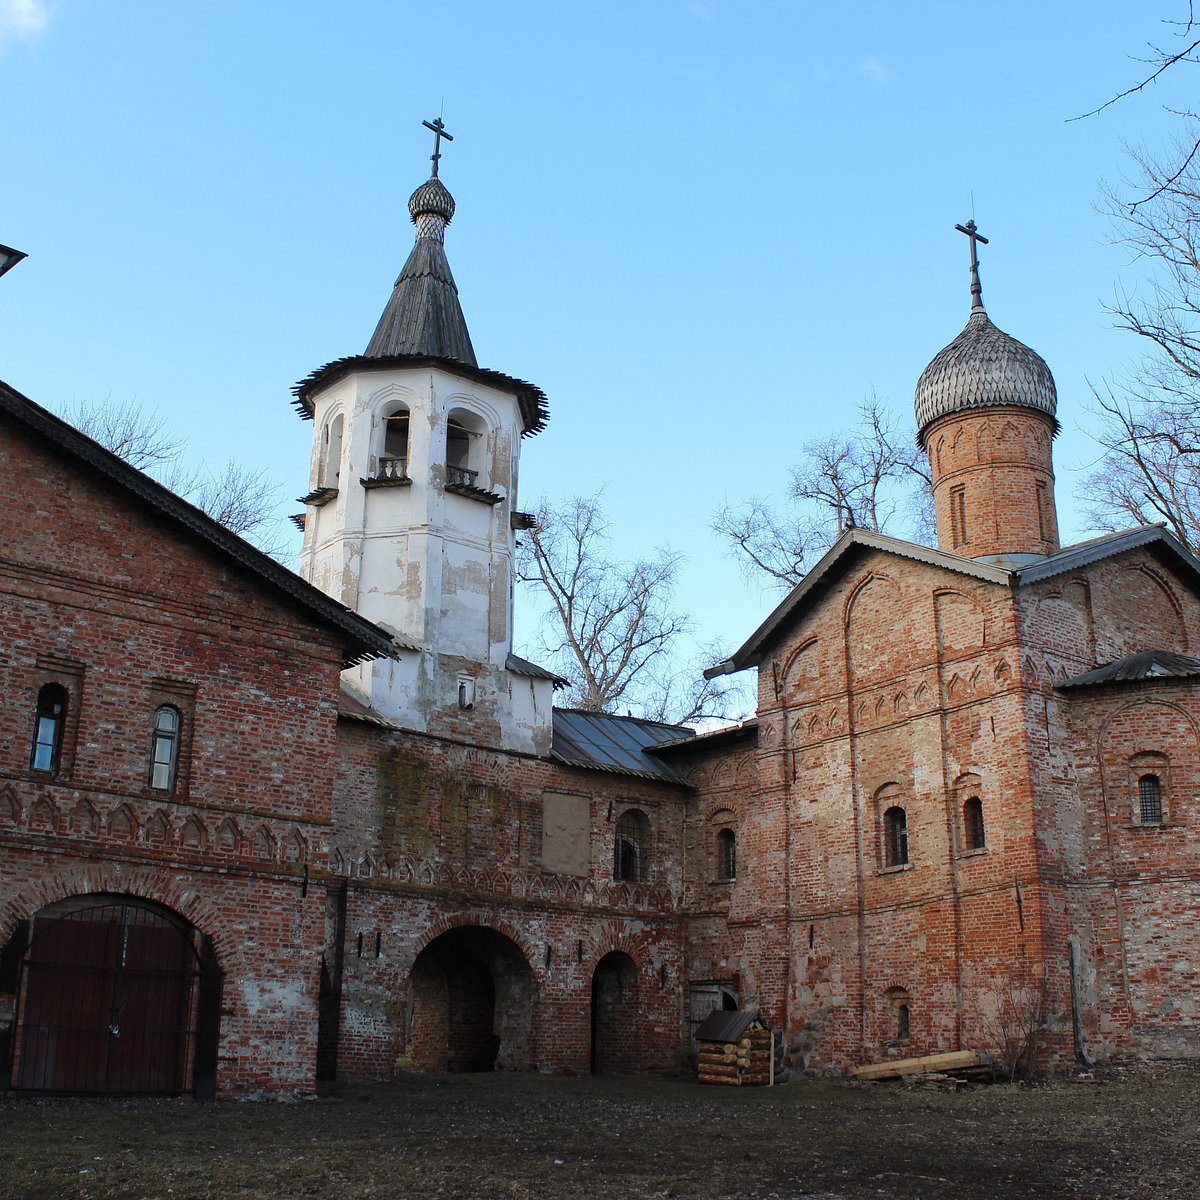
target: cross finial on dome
<point>972,232</point>
<point>439,132</point>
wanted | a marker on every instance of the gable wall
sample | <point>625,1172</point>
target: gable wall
<point>98,595</point>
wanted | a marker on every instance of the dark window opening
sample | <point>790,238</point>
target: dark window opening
<point>726,854</point>
<point>393,464</point>
<point>1150,800</point>
<point>895,837</point>
<point>48,728</point>
<point>973,823</point>
<point>901,1022</point>
<point>164,753</point>
<point>629,851</point>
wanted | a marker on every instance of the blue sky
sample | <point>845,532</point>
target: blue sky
<point>707,230</point>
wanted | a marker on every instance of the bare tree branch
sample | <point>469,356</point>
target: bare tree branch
<point>612,631</point>
<point>244,501</point>
<point>862,479</point>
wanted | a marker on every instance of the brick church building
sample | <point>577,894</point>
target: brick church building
<point>260,828</point>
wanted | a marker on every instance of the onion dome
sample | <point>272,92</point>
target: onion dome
<point>431,199</point>
<point>983,367</point>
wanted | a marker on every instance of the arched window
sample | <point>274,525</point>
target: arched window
<point>164,748</point>
<point>48,725</point>
<point>726,854</point>
<point>393,461</point>
<point>464,448</point>
<point>630,859</point>
<point>331,453</point>
<point>973,836</point>
<point>895,837</point>
<point>1150,800</point>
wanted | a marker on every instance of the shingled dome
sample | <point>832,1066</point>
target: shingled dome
<point>981,368</point>
<point>434,198</point>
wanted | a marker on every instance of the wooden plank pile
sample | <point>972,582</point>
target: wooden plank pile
<point>936,1071</point>
<point>742,1060</point>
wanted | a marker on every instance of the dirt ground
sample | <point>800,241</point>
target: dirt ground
<point>1133,1133</point>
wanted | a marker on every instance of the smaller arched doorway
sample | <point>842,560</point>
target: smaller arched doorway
<point>114,995</point>
<point>615,1015</point>
<point>471,997</point>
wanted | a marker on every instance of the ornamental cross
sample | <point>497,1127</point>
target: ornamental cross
<point>972,232</point>
<point>439,132</point>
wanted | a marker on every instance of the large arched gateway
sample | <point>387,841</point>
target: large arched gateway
<point>472,1004</point>
<point>113,995</point>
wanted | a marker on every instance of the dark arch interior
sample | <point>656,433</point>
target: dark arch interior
<point>472,1004</point>
<point>614,1015</point>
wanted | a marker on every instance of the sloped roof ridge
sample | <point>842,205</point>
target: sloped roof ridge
<point>851,539</point>
<point>1136,668</point>
<point>1107,546</point>
<point>368,640</point>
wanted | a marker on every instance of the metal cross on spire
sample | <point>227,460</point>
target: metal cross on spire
<point>972,232</point>
<point>439,132</point>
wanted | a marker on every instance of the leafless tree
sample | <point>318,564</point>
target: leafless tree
<point>137,435</point>
<point>612,630</point>
<point>1149,428</point>
<point>1185,49</point>
<point>246,502</point>
<point>866,478</point>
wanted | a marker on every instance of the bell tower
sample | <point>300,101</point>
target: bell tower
<point>411,511</point>
<point>986,418</point>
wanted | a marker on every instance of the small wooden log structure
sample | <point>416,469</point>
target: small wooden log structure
<point>736,1050</point>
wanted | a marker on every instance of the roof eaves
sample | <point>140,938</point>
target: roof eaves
<point>535,410</point>
<point>713,737</point>
<point>368,641</point>
<point>1096,549</point>
<point>665,774</point>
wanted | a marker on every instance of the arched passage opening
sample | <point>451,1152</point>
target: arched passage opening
<point>471,993</point>
<point>615,1015</point>
<point>111,995</point>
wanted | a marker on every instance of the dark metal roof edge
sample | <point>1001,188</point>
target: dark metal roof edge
<point>1108,546</point>
<point>1105,676</point>
<point>714,737</point>
<point>535,408</point>
<point>607,716</point>
<point>750,653</point>
<point>673,779</point>
<point>522,666</point>
<point>369,640</point>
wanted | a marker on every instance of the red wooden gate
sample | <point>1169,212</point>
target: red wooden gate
<point>109,1000</point>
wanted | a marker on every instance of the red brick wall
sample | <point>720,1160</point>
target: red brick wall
<point>106,597</point>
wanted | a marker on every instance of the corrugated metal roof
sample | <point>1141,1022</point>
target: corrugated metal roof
<point>1151,664</point>
<point>725,1025</point>
<point>605,742</point>
<point>363,639</point>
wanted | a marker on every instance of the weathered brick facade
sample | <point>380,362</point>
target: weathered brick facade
<point>248,838</point>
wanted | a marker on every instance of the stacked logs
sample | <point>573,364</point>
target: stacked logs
<point>734,1064</point>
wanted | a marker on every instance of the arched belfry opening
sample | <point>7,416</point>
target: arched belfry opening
<point>471,993</point>
<point>615,1015</point>
<point>111,995</point>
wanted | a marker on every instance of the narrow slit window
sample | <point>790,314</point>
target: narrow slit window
<point>973,823</point>
<point>726,854</point>
<point>895,837</point>
<point>958,515</point>
<point>48,725</point>
<point>1043,511</point>
<point>164,753</point>
<point>1150,800</point>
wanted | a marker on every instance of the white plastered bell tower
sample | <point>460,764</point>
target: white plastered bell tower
<point>412,506</point>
